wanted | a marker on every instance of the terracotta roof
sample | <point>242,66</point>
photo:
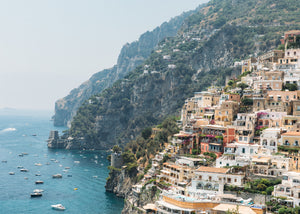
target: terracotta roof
<point>291,134</point>
<point>212,169</point>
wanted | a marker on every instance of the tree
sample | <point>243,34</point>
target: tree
<point>116,149</point>
<point>230,83</point>
<point>247,102</point>
<point>146,133</point>
<point>291,86</point>
<point>242,86</point>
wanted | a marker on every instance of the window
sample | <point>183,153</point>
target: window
<point>296,143</point>
<point>251,151</point>
<point>243,150</point>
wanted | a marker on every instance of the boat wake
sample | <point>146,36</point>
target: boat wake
<point>8,130</point>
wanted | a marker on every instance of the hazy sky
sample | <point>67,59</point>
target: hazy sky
<point>49,47</point>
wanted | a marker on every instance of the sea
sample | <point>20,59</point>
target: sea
<point>23,136</point>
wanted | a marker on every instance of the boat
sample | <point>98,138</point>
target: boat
<point>36,194</point>
<point>24,170</point>
<point>24,153</point>
<point>11,173</point>
<point>76,161</point>
<point>38,190</point>
<point>19,167</point>
<point>67,167</point>
<point>34,135</point>
<point>4,161</point>
<point>37,174</point>
<point>57,176</point>
<point>69,175</point>
<point>38,164</point>
<point>58,207</point>
<point>39,182</point>
<point>25,178</point>
<point>21,155</point>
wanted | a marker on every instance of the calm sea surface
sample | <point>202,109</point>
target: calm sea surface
<point>27,132</point>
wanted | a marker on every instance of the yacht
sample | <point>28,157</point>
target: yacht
<point>36,194</point>
<point>58,207</point>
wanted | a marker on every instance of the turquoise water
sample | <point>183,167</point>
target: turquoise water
<point>88,176</point>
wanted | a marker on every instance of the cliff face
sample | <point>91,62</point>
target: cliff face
<point>201,54</point>
<point>119,183</point>
<point>130,57</point>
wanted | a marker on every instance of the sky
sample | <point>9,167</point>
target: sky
<point>49,47</point>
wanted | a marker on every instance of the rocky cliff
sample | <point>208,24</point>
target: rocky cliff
<point>201,54</point>
<point>130,57</point>
<point>119,182</point>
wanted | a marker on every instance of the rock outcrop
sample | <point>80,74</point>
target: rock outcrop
<point>119,182</point>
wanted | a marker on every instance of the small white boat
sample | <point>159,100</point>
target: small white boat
<point>11,173</point>
<point>19,167</point>
<point>38,164</point>
<point>39,182</point>
<point>67,167</point>
<point>37,174</point>
<point>58,207</point>
<point>38,190</point>
<point>57,176</point>
<point>76,161</point>
<point>24,170</point>
<point>36,194</point>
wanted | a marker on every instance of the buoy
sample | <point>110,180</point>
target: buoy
<point>75,188</point>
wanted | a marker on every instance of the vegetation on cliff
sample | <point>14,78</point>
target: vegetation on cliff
<point>130,57</point>
<point>202,54</point>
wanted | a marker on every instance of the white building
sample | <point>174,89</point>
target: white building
<point>289,188</point>
<point>210,181</point>
<point>237,154</point>
<point>269,140</point>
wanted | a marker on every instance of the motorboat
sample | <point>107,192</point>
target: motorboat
<point>37,174</point>
<point>57,176</point>
<point>38,164</point>
<point>67,167</point>
<point>69,175</point>
<point>4,161</point>
<point>58,207</point>
<point>11,173</point>
<point>24,170</point>
<point>36,194</point>
<point>19,167</point>
<point>38,190</point>
<point>39,182</point>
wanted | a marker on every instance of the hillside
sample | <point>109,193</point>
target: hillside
<point>201,54</point>
<point>130,57</point>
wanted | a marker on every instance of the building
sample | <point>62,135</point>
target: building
<point>290,139</point>
<point>210,180</point>
<point>226,113</point>
<point>289,188</point>
<point>269,140</point>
